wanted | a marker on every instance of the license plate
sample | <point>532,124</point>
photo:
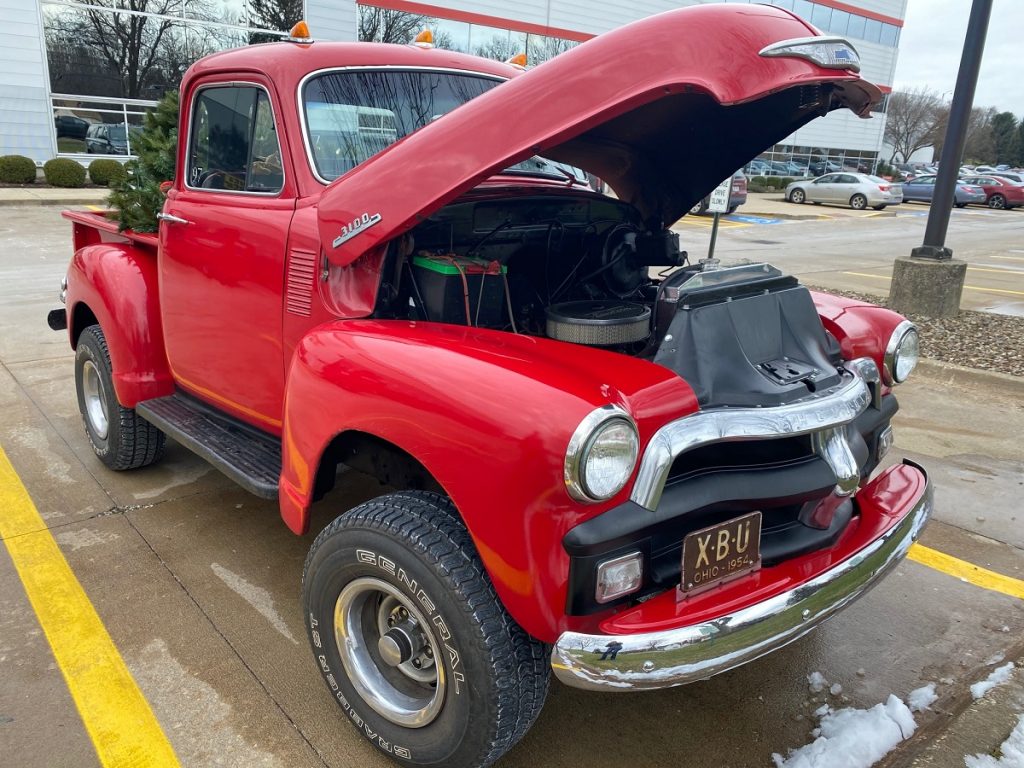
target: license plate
<point>721,552</point>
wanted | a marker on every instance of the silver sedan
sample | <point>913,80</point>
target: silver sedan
<point>857,190</point>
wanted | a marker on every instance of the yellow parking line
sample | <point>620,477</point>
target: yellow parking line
<point>999,271</point>
<point>966,287</point>
<point>1010,258</point>
<point>961,569</point>
<point>122,727</point>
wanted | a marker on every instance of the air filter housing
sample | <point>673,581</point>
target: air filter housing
<point>602,323</point>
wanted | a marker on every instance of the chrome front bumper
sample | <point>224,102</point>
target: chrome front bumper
<point>698,651</point>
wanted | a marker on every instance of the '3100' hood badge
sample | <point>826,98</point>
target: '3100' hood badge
<point>356,226</point>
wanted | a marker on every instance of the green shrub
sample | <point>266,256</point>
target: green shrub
<point>64,172</point>
<point>758,184</point>
<point>17,169</point>
<point>102,172</point>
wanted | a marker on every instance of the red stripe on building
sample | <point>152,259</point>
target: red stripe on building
<point>860,12</point>
<point>451,14</point>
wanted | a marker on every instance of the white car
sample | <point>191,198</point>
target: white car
<point>857,190</point>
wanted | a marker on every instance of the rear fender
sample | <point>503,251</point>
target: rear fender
<point>489,415</point>
<point>117,284</point>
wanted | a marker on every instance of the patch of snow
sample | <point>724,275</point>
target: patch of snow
<point>999,675</point>
<point>994,659</point>
<point>854,738</point>
<point>1011,752</point>
<point>922,698</point>
<point>836,689</point>
<point>817,682</point>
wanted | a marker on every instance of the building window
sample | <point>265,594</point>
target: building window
<point>383,25</point>
<point>111,60</point>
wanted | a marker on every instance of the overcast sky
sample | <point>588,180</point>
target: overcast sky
<point>932,42</point>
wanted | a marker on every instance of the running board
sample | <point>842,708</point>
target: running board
<point>248,456</point>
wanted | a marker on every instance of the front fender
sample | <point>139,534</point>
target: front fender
<point>489,415</point>
<point>862,329</point>
<point>118,283</point>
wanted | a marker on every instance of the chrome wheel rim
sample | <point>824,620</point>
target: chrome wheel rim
<point>797,197</point>
<point>695,209</point>
<point>388,652</point>
<point>997,202</point>
<point>95,400</point>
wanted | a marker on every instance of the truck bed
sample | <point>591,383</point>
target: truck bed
<point>92,227</point>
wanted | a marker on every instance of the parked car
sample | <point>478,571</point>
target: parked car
<point>758,168</point>
<point>999,193</point>
<point>1014,176</point>
<point>857,190</point>
<point>106,139</point>
<point>629,481</point>
<point>984,169</point>
<point>821,167</point>
<point>921,189</point>
<point>70,126</point>
<point>737,196</point>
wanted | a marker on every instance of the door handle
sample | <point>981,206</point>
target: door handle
<point>171,219</point>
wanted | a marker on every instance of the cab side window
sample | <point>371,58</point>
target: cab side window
<point>234,145</point>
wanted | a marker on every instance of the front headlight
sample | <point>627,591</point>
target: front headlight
<point>902,353</point>
<point>601,455</point>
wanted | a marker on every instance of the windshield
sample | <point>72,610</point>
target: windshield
<point>351,116</point>
<point>116,133</point>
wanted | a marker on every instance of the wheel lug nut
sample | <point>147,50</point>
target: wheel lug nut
<point>417,663</point>
<point>429,651</point>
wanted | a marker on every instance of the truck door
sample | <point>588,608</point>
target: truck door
<point>223,233</point>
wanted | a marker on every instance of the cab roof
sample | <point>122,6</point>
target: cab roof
<point>286,62</point>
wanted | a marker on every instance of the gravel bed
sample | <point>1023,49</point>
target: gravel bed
<point>981,340</point>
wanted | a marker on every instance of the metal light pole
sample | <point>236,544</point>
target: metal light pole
<point>930,282</point>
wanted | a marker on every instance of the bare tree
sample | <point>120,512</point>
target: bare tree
<point>126,52</point>
<point>280,15</point>
<point>498,48</point>
<point>540,49</point>
<point>913,120</point>
<point>381,25</point>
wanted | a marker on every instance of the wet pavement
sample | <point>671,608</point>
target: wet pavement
<point>197,582</point>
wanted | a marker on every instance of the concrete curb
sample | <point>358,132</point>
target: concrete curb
<point>965,727</point>
<point>34,201</point>
<point>959,376</point>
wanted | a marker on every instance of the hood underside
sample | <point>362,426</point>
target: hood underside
<point>662,110</point>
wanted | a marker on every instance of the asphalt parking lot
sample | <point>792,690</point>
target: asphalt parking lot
<point>196,583</point>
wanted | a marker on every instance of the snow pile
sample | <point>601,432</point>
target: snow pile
<point>854,738</point>
<point>922,698</point>
<point>1011,752</point>
<point>817,682</point>
<point>999,675</point>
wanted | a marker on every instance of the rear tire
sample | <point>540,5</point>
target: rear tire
<point>997,201</point>
<point>858,202</point>
<point>477,680</point>
<point>878,207</point>
<point>699,208</point>
<point>960,205</point>
<point>119,437</point>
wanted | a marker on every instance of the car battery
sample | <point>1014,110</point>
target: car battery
<point>461,289</point>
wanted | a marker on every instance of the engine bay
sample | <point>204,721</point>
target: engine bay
<point>584,268</point>
<point>570,266</point>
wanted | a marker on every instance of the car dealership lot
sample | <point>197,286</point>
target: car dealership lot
<point>196,582</point>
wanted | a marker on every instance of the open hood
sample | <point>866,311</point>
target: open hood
<point>662,110</point>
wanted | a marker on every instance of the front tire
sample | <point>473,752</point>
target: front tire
<point>699,208</point>
<point>878,207</point>
<point>120,438</point>
<point>411,638</point>
<point>797,196</point>
<point>858,202</point>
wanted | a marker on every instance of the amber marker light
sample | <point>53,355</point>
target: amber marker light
<point>300,33</point>
<point>519,60</point>
<point>165,186</point>
<point>424,39</point>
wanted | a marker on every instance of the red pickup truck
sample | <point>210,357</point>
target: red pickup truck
<point>387,258</point>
